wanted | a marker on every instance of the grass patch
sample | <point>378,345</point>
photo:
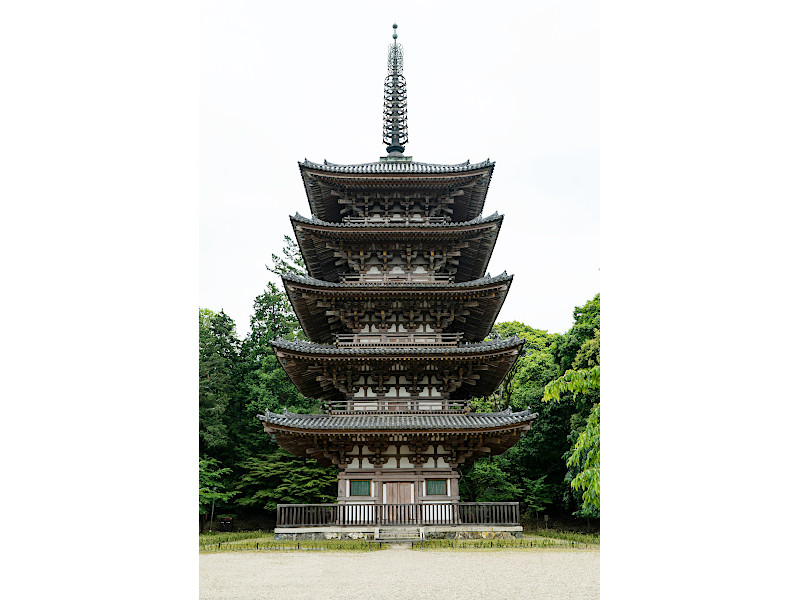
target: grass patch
<point>216,538</point>
<point>571,536</point>
<point>520,544</point>
<point>263,540</point>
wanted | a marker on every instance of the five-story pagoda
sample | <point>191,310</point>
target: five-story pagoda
<point>396,305</point>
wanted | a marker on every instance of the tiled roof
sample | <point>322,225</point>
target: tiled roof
<point>390,225</point>
<point>400,421</point>
<point>477,347</point>
<point>488,280</point>
<point>397,167</point>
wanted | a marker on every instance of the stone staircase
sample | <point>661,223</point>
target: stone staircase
<point>397,534</point>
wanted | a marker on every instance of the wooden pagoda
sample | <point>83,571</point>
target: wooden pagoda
<point>397,305</point>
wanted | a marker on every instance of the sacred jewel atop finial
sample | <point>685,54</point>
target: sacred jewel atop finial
<point>395,125</point>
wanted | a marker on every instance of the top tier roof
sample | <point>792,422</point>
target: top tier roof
<point>325,182</point>
<point>395,167</point>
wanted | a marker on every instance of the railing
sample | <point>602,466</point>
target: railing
<point>397,339</point>
<point>429,278</point>
<point>425,513</point>
<point>393,219</point>
<point>394,405</point>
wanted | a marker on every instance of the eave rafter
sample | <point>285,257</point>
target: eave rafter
<point>331,446</point>
<point>327,373</point>
<point>328,186</point>
<point>331,250</point>
<point>325,309</point>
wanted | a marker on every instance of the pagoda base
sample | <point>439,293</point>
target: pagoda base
<point>426,532</point>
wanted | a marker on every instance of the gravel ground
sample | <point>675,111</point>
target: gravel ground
<point>542,574</point>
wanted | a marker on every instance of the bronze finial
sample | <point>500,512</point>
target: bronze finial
<point>395,125</point>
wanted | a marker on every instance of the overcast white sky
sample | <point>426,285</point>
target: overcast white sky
<point>280,83</point>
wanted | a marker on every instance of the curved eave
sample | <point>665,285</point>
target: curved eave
<point>304,293</point>
<point>361,288</point>
<point>314,235</point>
<point>395,167</point>
<point>318,180</point>
<point>405,423</point>
<point>297,357</point>
<point>308,435</point>
<point>479,349</point>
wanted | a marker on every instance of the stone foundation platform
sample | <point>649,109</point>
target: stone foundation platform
<point>428,532</point>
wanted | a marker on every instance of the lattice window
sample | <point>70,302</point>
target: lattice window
<point>359,487</point>
<point>435,487</point>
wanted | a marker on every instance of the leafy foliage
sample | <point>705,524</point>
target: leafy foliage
<point>280,477</point>
<point>587,320</point>
<point>487,482</point>
<point>211,485</point>
<point>586,456</point>
<point>219,383</point>
<point>292,260</point>
<point>578,381</point>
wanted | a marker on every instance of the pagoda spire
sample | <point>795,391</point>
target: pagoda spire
<point>395,126</point>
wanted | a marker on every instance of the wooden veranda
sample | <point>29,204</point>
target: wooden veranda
<point>421,514</point>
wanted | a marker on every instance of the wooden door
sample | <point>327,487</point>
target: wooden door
<point>399,498</point>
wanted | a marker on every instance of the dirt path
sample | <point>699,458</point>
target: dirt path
<point>400,574</point>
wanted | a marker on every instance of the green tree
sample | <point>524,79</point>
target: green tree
<point>587,320</point>
<point>487,481</point>
<point>265,384</point>
<point>219,382</point>
<point>584,458</point>
<point>576,381</point>
<point>279,477</point>
<point>212,486</point>
<point>538,495</point>
<point>292,260</point>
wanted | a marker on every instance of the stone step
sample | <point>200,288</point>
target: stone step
<point>397,535</point>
